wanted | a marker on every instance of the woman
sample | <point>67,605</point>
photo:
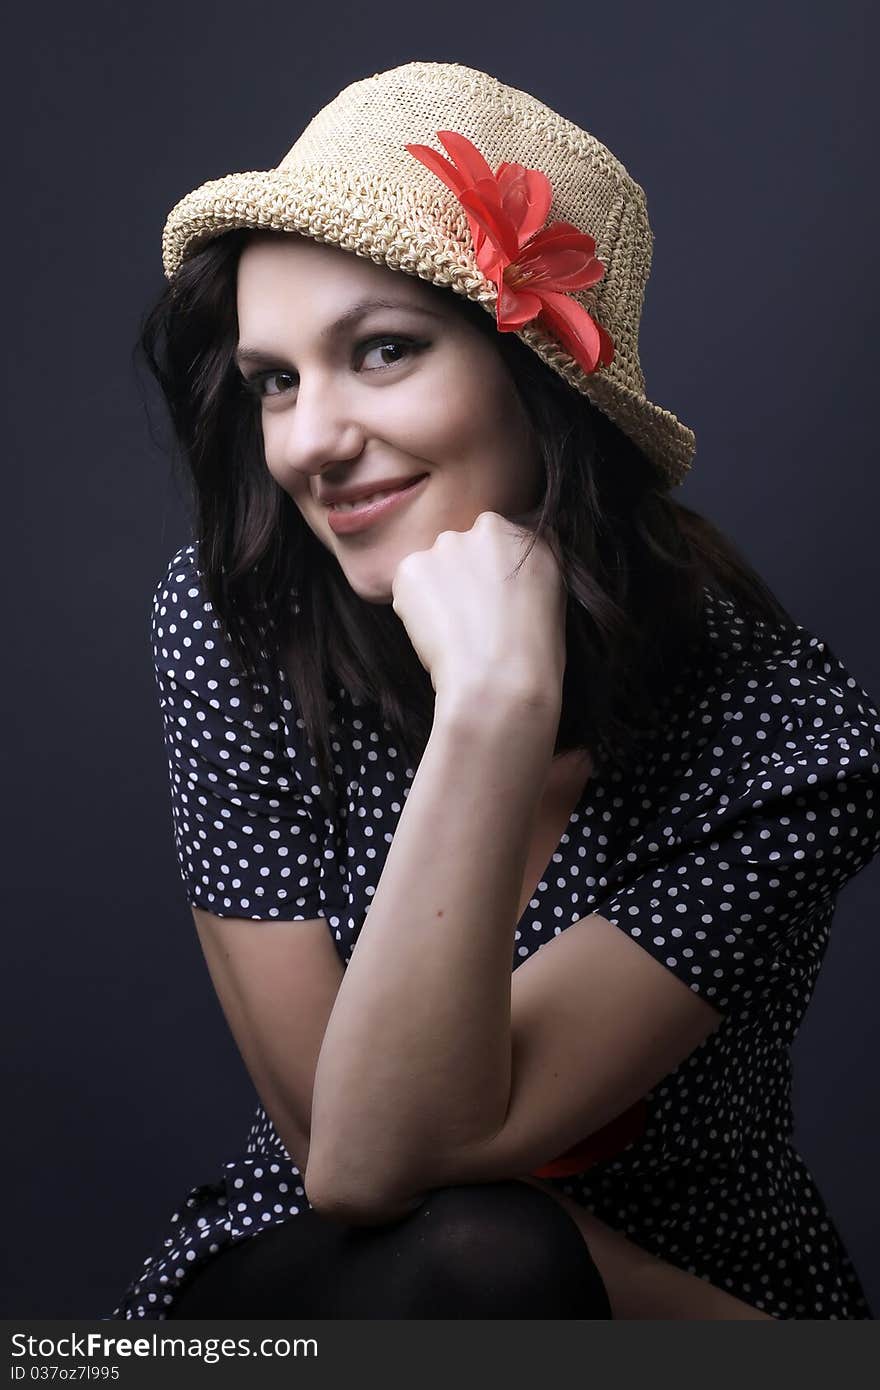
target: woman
<point>520,699</point>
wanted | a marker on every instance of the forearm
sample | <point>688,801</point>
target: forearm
<point>416,1057</point>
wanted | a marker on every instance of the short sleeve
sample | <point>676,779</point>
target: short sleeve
<point>733,885</point>
<point>249,829</point>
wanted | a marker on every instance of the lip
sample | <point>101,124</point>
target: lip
<point>348,523</point>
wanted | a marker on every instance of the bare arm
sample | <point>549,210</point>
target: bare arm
<point>442,1065</point>
<point>417,1051</point>
<point>277,982</point>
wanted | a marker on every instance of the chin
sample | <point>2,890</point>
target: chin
<point>378,592</point>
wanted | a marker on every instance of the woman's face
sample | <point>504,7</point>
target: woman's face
<point>389,395</point>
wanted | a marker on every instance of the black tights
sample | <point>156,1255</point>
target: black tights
<point>486,1250</point>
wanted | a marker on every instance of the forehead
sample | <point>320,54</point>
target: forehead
<point>280,268</point>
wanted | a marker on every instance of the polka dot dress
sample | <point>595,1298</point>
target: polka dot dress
<point>721,853</point>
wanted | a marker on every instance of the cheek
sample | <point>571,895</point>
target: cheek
<point>458,424</point>
<point>291,480</point>
<point>269,447</point>
<point>430,421</point>
<point>496,439</point>
<point>272,437</point>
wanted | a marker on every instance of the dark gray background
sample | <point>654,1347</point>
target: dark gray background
<point>752,129</point>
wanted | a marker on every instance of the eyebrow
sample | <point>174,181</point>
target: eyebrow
<point>333,330</point>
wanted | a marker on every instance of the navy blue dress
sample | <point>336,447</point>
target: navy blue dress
<point>722,854</point>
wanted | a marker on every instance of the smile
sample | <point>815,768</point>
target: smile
<point>346,520</point>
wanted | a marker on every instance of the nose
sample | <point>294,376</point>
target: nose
<point>320,429</point>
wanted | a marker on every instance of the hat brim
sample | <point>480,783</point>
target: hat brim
<point>384,223</point>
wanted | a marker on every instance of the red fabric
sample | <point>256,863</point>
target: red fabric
<point>605,1143</point>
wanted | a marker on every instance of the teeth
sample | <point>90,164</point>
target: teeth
<point>363,501</point>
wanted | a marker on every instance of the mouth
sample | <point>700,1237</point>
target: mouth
<point>347,520</point>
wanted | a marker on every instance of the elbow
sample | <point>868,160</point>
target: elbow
<point>339,1196</point>
<point>352,1205</point>
<point>333,1203</point>
<point>349,1191</point>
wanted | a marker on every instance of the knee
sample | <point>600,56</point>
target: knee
<point>510,1250</point>
<point>508,1219</point>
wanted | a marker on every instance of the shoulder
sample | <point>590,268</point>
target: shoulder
<point>783,738</point>
<point>180,614</point>
<point>197,667</point>
<point>178,574</point>
<point>767,675</point>
<point>766,724</point>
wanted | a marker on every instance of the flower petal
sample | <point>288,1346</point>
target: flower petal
<point>456,182</point>
<point>563,270</point>
<point>567,230</point>
<point>484,201</point>
<point>561,258</point>
<point>439,166</point>
<point>490,260</point>
<point>470,162</point>
<point>515,307</point>
<point>576,331</point>
<point>526,196</point>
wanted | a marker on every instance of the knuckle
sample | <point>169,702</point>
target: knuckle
<point>401,574</point>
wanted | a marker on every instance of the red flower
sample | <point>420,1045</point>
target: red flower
<point>534,270</point>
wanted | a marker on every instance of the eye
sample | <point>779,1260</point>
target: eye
<point>258,384</point>
<point>404,345</point>
<point>254,385</point>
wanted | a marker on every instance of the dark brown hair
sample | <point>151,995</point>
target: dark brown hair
<point>636,562</point>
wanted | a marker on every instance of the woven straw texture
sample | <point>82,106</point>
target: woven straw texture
<point>349,181</point>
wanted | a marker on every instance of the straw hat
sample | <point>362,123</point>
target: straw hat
<point>351,180</point>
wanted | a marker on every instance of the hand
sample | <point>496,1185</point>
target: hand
<point>475,625</point>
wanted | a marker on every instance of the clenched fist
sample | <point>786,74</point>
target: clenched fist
<point>477,626</point>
